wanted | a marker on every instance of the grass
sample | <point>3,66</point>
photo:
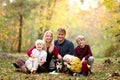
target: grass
<point>101,70</point>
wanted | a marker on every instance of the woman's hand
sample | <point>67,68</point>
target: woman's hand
<point>33,56</point>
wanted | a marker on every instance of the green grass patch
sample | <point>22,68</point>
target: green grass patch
<point>101,70</point>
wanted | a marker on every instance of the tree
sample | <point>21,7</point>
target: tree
<point>45,15</point>
<point>18,10</point>
<point>112,27</point>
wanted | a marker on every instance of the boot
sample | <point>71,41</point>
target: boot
<point>20,66</point>
<point>23,69</point>
<point>18,70</point>
<point>90,71</point>
<point>20,62</point>
<point>16,66</point>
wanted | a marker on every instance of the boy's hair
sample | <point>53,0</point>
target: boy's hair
<point>39,41</point>
<point>62,30</point>
<point>80,37</point>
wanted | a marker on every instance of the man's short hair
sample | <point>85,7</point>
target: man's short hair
<point>62,30</point>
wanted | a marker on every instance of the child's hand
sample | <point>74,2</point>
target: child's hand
<point>83,59</point>
<point>41,62</point>
<point>66,64</point>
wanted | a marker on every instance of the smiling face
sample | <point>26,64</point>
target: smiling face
<point>81,42</point>
<point>48,37</point>
<point>61,35</point>
<point>39,46</point>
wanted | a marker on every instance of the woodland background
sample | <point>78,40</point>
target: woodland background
<point>23,21</point>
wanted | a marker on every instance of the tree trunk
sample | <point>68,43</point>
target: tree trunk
<point>50,11</point>
<point>20,33</point>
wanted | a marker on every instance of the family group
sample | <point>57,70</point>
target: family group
<point>78,59</point>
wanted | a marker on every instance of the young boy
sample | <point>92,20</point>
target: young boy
<point>37,58</point>
<point>83,52</point>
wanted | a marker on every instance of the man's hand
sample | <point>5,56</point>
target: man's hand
<point>59,56</point>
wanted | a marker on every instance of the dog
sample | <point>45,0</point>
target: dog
<point>60,67</point>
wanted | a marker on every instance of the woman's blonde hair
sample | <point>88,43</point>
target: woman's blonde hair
<point>52,42</point>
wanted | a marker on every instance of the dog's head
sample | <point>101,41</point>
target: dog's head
<point>59,65</point>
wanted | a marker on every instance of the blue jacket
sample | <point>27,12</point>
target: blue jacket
<point>67,47</point>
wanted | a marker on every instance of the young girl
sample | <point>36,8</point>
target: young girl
<point>73,63</point>
<point>38,57</point>
<point>83,52</point>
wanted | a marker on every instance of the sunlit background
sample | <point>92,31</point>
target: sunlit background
<point>23,21</point>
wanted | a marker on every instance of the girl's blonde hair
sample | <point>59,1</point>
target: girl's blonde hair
<point>51,44</point>
<point>39,41</point>
<point>68,56</point>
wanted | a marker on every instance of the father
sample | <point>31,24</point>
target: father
<point>64,46</point>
